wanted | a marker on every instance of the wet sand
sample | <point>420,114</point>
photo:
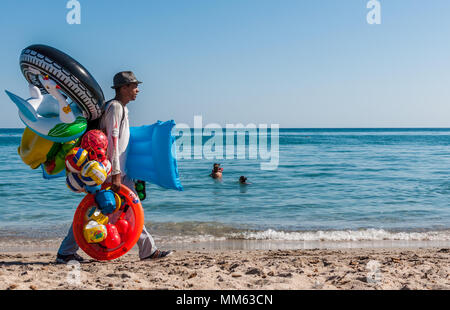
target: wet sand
<point>389,268</point>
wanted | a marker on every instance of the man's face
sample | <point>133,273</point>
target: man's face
<point>131,91</point>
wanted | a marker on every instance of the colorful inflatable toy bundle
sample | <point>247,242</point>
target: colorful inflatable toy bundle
<point>64,98</point>
<point>98,228</point>
<point>107,225</point>
<point>85,173</point>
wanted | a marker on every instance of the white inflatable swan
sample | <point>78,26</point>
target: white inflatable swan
<point>50,116</point>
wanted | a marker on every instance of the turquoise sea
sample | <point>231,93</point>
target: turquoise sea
<point>331,185</point>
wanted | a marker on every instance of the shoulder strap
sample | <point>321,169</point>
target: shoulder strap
<point>123,115</point>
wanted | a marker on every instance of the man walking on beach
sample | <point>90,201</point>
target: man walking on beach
<point>115,124</point>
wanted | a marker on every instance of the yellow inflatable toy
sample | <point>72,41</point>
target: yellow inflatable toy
<point>94,232</point>
<point>33,149</point>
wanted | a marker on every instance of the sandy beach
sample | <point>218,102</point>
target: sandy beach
<point>355,269</point>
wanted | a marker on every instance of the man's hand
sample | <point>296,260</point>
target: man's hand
<point>116,182</point>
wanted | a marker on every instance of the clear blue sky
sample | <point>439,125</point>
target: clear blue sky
<point>298,63</point>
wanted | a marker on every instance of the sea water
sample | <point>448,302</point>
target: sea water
<point>331,185</point>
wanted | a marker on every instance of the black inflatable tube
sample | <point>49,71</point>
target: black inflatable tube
<point>69,64</point>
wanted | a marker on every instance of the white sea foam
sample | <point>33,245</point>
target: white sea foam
<point>313,236</point>
<point>190,239</point>
<point>344,235</point>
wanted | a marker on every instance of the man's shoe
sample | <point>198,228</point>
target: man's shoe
<point>158,254</point>
<point>64,259</point>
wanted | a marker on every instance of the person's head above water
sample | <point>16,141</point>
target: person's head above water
<point>217,171</point>
<point>126,86</point>
<point>242,179</point>
<point>217,168</point>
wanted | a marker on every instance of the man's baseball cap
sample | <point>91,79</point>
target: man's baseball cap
<point>124,78</point>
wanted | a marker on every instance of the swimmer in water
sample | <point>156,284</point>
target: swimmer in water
<point>216,173</point>
<point>243,180</point>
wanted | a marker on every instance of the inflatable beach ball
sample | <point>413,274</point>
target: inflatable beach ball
<point>74,182</point>
<point>98,155</point>
<point>76,158</point>
<point>94,141</point>
<point>93,173</point>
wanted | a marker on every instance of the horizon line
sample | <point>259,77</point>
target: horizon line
<point>306,127</point>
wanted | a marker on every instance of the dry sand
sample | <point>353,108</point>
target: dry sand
<point>423,268</point>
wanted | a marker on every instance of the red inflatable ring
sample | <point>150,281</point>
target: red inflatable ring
<point>130,210</point>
